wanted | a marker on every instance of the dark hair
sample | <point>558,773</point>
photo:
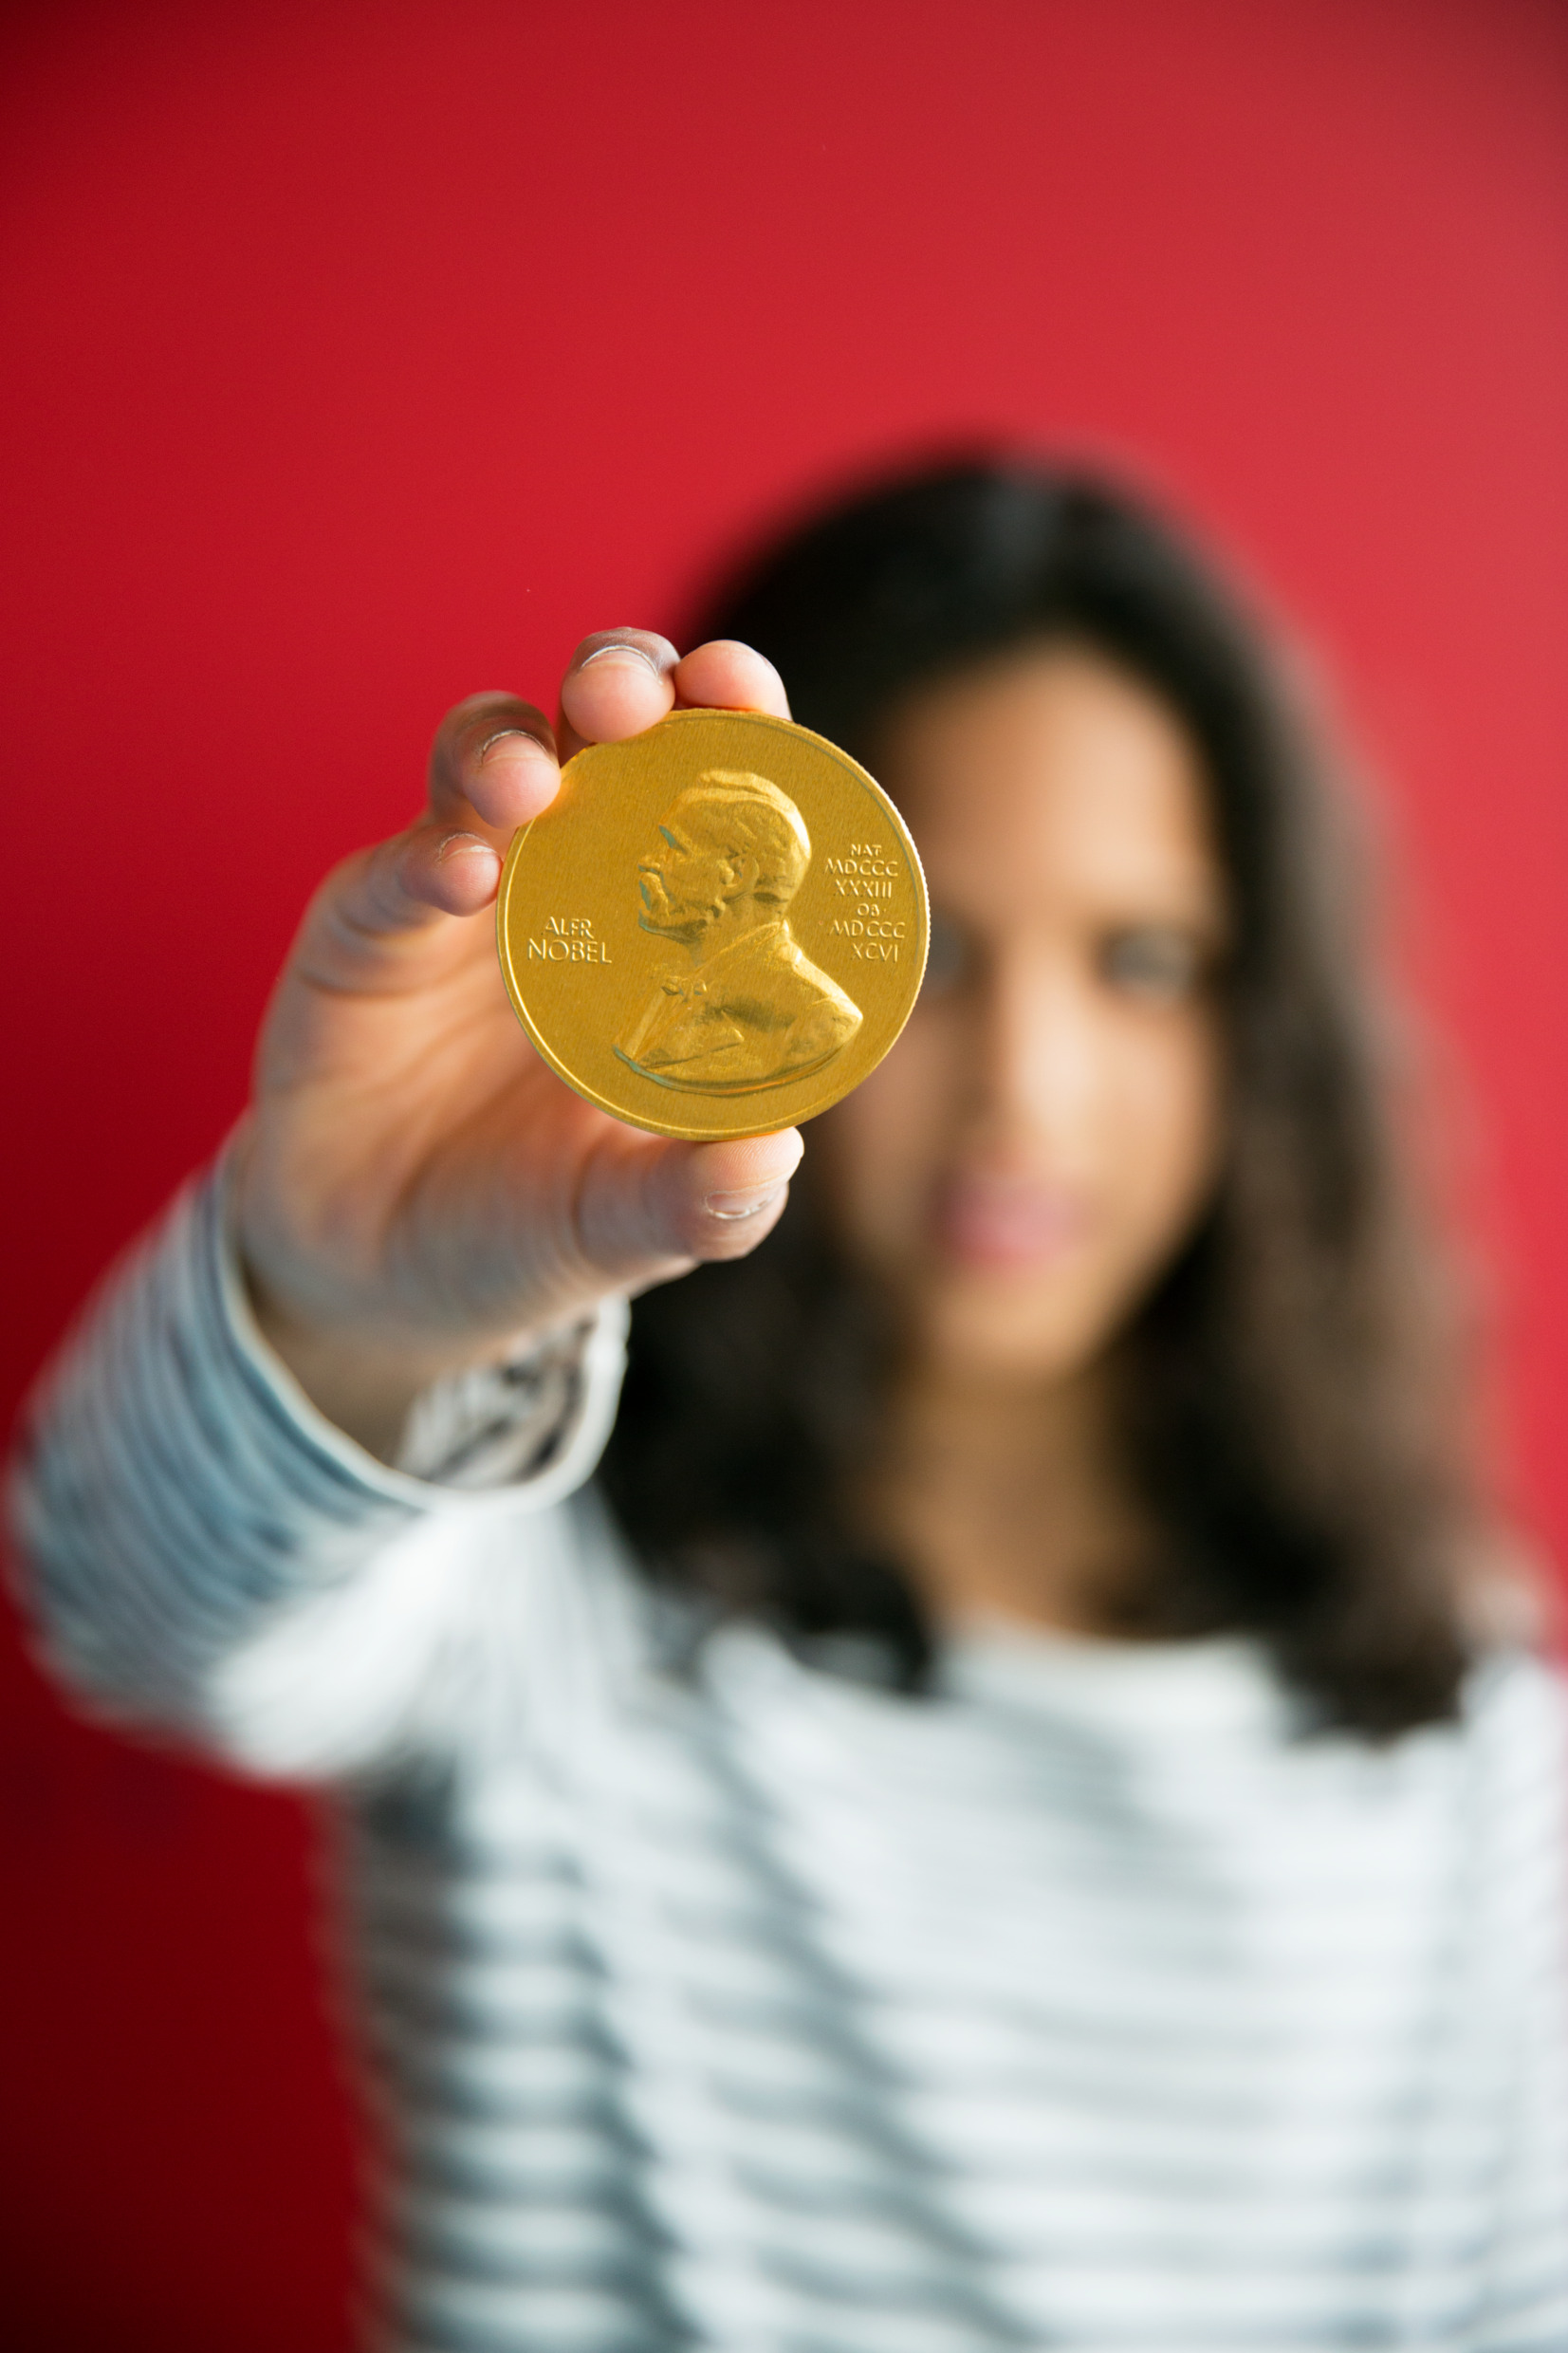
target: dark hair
<point>1288,1414</point>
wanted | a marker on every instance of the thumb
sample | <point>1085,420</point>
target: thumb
<point>645,1213</point>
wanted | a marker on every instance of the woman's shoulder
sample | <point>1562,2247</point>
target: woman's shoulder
<point>1514,1702</point>
<point>1513,1735</point>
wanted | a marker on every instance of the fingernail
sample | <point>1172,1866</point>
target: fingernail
<point>621,653</point>
<point>733,1205</point>
<point>507,735</point>
<point>461,842</point>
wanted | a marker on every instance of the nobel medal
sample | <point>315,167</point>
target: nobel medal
<point>717,928</point>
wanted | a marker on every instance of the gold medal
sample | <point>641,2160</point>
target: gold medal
<point>717,928</point>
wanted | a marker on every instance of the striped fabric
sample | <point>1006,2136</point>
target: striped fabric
<point>715,1998</point>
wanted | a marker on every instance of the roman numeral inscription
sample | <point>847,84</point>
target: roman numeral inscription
<point>865,878</point>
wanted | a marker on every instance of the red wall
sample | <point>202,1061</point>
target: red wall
<point>369,355</point>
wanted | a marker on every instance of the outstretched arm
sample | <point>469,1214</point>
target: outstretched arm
<point>414,1209</point>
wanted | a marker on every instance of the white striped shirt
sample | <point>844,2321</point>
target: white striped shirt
<point>712,1998</point>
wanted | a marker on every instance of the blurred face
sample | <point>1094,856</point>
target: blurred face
<point>1044,1136</point>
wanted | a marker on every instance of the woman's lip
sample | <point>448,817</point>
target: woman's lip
<point>1008,1225</point>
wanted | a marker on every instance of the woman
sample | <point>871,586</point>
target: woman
<point>993,1823</point>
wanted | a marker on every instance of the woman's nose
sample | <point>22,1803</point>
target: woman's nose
<point>1039,1062</point>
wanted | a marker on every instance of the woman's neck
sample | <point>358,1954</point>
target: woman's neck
<point>1006,1496</point>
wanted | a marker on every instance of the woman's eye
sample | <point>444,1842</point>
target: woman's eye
<point>1154,960</point>
<point>950,960</point>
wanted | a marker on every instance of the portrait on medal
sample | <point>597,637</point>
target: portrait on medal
<point>749,1009</point>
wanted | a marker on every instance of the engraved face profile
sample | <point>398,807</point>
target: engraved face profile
<point>750,1009</point>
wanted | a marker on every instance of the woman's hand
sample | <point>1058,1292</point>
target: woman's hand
<point>414,1186</point>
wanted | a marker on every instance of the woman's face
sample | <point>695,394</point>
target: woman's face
<point>1043,1137</point>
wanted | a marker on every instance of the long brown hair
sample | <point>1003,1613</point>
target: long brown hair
<point>1290,1384</point>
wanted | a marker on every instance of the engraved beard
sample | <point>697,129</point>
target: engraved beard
<point>685,919</point>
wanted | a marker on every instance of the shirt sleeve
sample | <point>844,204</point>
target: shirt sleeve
<point>1525,1754</point>
<point>192,1532</point>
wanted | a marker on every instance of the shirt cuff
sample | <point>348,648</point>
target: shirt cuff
<point>519,1435</point>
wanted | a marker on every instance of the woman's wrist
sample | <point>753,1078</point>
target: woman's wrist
<point>363,1382</point>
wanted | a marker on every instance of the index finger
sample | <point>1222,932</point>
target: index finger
<point>621,681</point>
<point>723,675</point>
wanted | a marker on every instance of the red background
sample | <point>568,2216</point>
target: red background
<point>361,356</point>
